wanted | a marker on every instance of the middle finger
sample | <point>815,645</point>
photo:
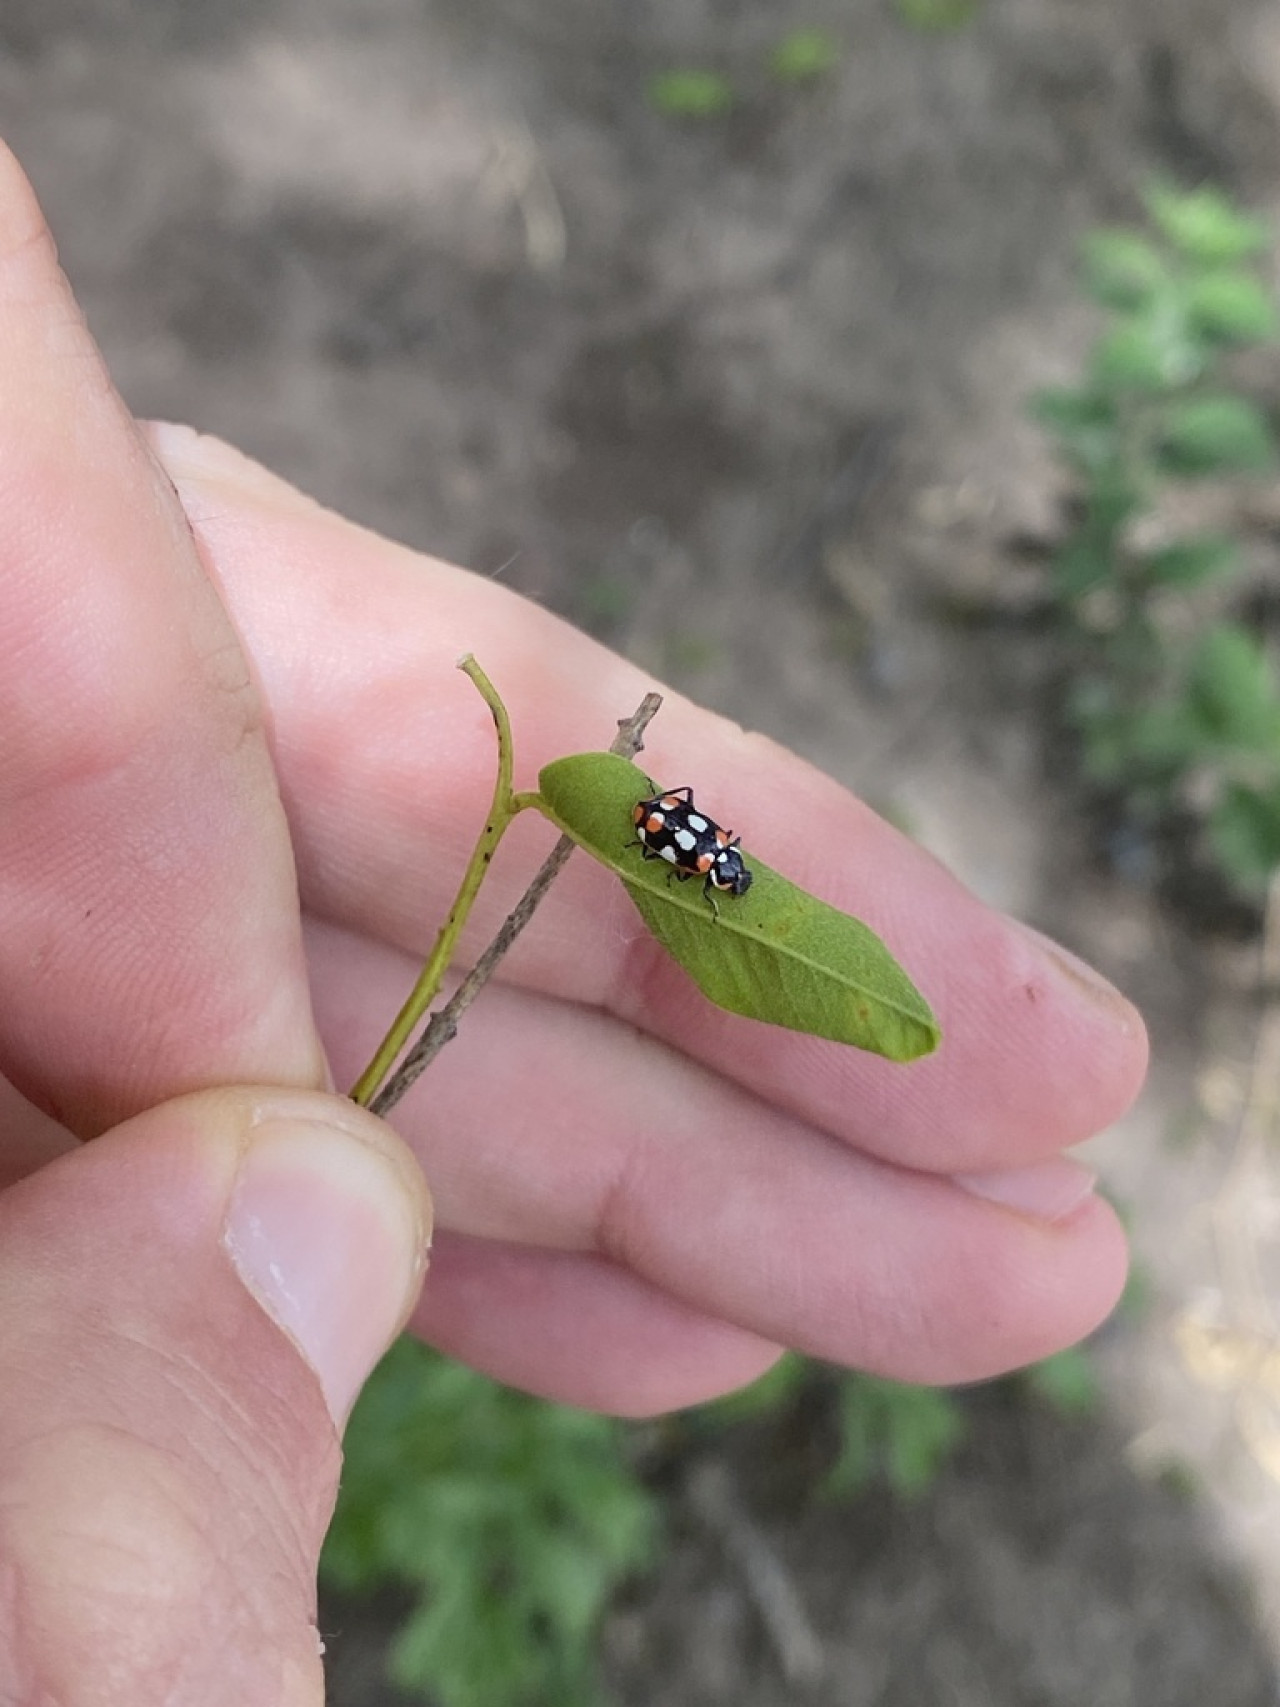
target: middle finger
<point>543,1124</point>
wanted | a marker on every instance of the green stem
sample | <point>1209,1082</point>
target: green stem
<point>443,1024</point>
<point>505,807</point>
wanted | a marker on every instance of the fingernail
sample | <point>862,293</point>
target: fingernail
<point>1045,1191</point>
<point>329,1233</point>
<point>1085,978</point>
<point>189,455</point>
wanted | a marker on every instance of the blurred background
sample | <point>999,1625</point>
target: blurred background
<point>900,378</point>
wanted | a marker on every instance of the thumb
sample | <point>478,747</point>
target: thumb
<point>168,1456</point>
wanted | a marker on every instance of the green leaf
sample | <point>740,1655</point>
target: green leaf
<point>1142,749</point>
<point>774,954</point>
<point>690,94</point>
<point>1068,1381</point>
<point>1123,270</point>
<point>1113,499</point>
<point>1162,739</point>
<point>1068,409</point>
<point>565,1581</point>
<point>1232,308</point>
<point>1244,831</point>
<point>1232,692</point>
<point>904,1434</point>
<point>1125,745</point>
<point>1190,563</point>
<point>1085,423</point>
<point>1148,353</point>
<point>1216,435</point>
<point>803,55</point>
<point>1205,225</point>
<point>930,15</point>
<point>1093,555</point>
<point>1080,566</point>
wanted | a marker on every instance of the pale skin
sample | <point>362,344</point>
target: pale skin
<point>239,775</point>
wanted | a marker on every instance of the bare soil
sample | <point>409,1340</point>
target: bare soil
<point>746,398</point>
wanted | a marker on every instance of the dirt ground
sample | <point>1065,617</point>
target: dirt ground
<point>746,398</point>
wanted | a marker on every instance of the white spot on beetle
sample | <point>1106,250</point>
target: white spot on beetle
<point>696,821</point>
<point>667,853</point>
<point>686,839</point>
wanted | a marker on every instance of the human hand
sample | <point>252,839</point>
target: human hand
<point>641,1197</point>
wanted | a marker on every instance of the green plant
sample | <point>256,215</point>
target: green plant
<point>510,1521</point>
<point>691,92</point>
<point>1068,1381</point>
<point>937,15</point>
<point>884,1431</point>
<point>779,955</point>
<point>1174,698</point>
<point>804,55</point>
<point>889,1431</point>
<point>687,93</point>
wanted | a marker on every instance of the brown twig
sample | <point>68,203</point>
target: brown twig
<point>443,1025</point>
<point>769,1584</point>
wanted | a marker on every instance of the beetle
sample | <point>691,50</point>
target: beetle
<point>670,827</point>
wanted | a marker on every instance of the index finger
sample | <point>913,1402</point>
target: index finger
<point>151,941</point>
<point>386,763</point>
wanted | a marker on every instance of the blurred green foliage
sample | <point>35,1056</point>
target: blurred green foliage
<point>885,1432</point>
<point>1067,1381</point>
<point>931,15</point>
<point>686,93</point>
<point>892,1433</point>
<point>1175,699</point>
<point>803,55</point>
<point>511,1521</point>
